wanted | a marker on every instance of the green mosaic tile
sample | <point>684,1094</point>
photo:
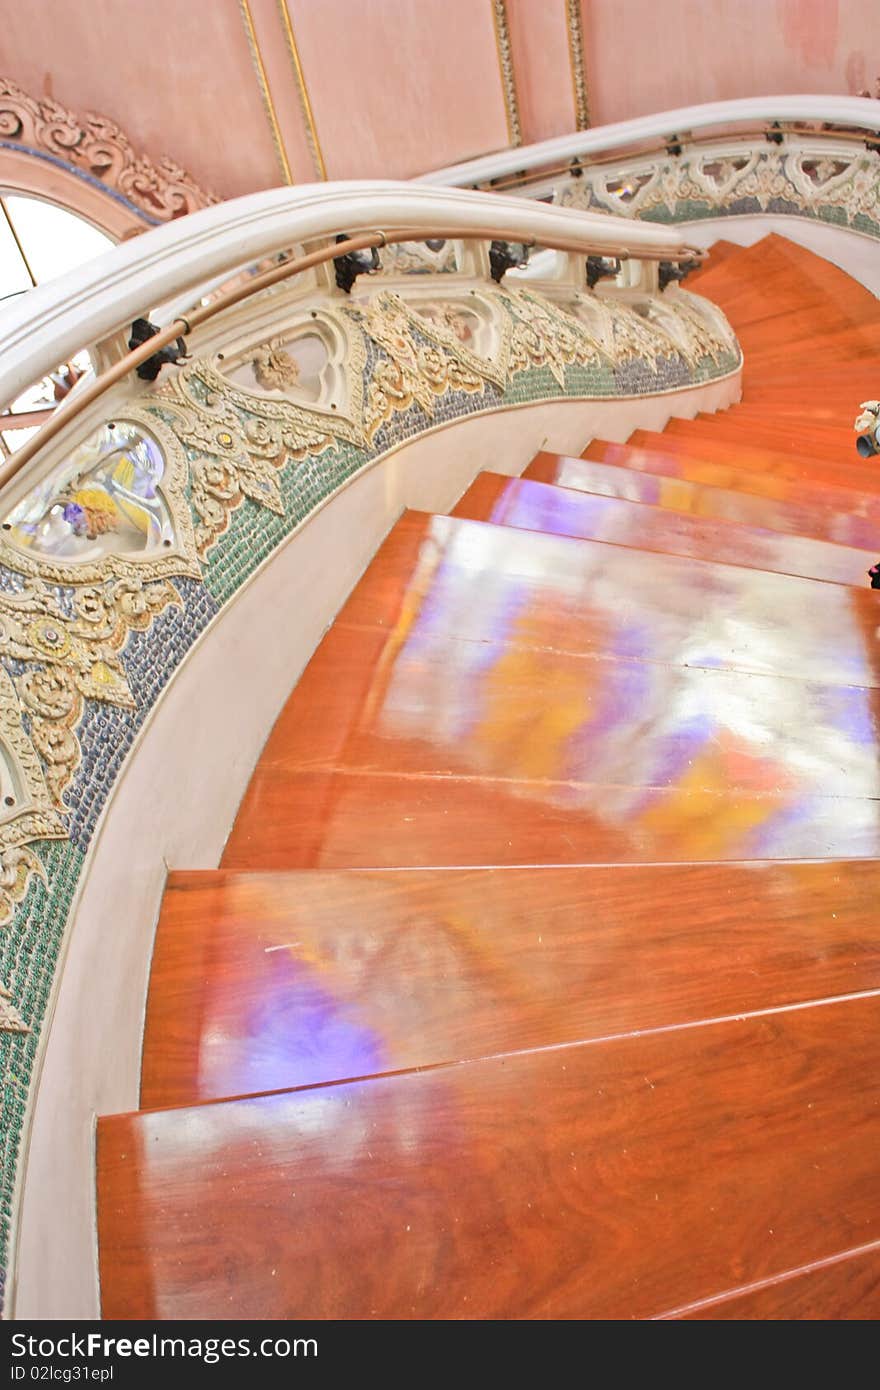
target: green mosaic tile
<point>31,945</point>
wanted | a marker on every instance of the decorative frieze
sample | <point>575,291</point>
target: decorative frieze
<point>98,148</point>
<point>841,187</point>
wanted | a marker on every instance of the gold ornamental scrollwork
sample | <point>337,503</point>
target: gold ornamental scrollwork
<point>64,624</point>
<point>159,188</point>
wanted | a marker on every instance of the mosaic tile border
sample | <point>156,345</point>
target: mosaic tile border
<point>85,655</point>
<point>840,187</point>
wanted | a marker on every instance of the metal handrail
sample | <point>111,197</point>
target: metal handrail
<point>182,326</point>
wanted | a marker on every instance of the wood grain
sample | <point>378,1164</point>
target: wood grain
<point>839,473</point>
<point>845,1287</point>
<point>267,981</point>
<point>556,712</point>
<point>619,1058</point>
<point>610,1180</point>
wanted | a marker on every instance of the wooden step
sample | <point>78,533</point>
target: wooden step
<point>534,506</point>
<point>767,346</point>
<point>776,280</point>
<point>843,473</point>
<point>613,1179</point>
<point>739,470</point>
<point>263,982</point>
<point>496,696</point>
<point>675,484</point>
<point>833,445</point>
<point>843,1286</point>
<point>541,977</point>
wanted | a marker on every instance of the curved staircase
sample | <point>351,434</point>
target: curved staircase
<point>541,976</point>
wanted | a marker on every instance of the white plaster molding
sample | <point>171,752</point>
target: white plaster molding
<point>860,112</point>
<point>90,1056</point>
<point>52,322</point>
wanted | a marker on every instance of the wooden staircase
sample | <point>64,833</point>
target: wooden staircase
<point>541,975</point>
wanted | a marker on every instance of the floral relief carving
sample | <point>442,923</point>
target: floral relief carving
<point>816,183</point>
<point>422,360</point>
<point>98,147</point>
<point>70,651</point>
<point>274,367</point>
<point>11,1020</point>
<point>214,444</point>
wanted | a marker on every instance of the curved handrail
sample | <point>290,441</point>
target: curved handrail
<point>57,319</point>
<point>182,325</point>
<point>862,112</point>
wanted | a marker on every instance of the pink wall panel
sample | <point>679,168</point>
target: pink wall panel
<point>176,76</point>
<point>400,86</point>
<point>644,57</point>
<point>539,41</point>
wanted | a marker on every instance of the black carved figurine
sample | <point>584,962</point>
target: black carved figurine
<point>601,268</point>
<point>506,255</point>
<point>141,332</point>
<point>671,272</point>
<point>354,263</point>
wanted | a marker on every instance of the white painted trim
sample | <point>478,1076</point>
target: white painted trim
<point>225,696</point>
<point>860,112</point>
<point>50,323</point>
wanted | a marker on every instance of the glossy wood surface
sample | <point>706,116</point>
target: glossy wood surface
<point>657,479</point>
<point>609,1180</point>
<point>846,1287</point>
<point>560,511</point>
<point>495,696</point>
<point>768,500</point>
<point>846,478</point>
<point>793,311</point>
<point>820,441</point>
<point>266,981</point>
<point>616,1053</point>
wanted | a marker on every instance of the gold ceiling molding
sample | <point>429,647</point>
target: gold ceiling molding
<point>575,21</point>
<point>505,68</point>
<point>98,149</point>
<point>265,90</point>
<point>302,91</point>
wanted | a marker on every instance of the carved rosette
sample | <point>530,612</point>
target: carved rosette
<point>98,147</point>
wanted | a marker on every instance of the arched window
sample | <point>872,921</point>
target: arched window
<point>40,240</point>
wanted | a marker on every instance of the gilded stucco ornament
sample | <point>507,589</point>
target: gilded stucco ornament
<point>421,361</point>
<point>69,645</point>
<point>63,647</point>
<point>99,148</point>
<point>11,1020</point>
<point>116,506</point>
<point>841,186</point>
<point>274,367</point>
<point>96,546</point>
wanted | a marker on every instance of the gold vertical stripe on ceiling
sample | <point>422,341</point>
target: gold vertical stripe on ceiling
<point>265,91</point>
<point>575,21</point>
<point>303,91</point>
<point>505,67</point>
